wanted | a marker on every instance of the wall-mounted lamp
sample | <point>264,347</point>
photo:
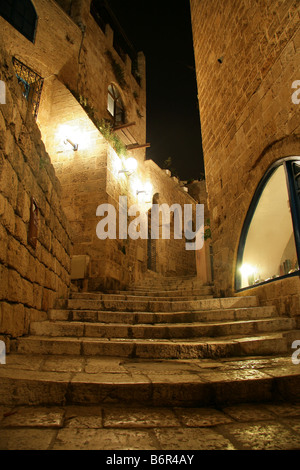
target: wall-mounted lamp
<point>69,136</point>
<point>130,165</point>
<point>75,146</point>
<point>147,190</point>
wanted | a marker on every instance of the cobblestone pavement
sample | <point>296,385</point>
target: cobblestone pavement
<point>269,426</point>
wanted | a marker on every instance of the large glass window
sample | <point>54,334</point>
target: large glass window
<point>21,15</point>
<point>269,246</point>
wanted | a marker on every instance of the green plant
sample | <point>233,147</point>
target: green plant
<point>106,130</point>
<point>117,69</point>
<point>207,231</point>
<point>138,112</point>
<point>104,126</point>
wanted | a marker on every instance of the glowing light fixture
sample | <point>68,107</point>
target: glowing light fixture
<point>247,270</point>
<point>130,165</point>
<point>75,146</point>
<point>147,191</point>
<point>68,136</point>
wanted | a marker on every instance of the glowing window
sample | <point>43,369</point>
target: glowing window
<point>270,242</point>
<point>21,15</point>
<point>115,105</point>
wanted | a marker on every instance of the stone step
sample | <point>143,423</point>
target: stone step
<point>174,297</point>
<point>160,331</point>
<point>164,292</point>
<point>73,380</point>
<point>229,314</point>
<point>204,348</point>
<point>169,282</point>
<point>168,285</point>
<point>158,305</point>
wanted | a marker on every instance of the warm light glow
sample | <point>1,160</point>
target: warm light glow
<point>72,137</point>
<point>247,270</point>
<point>145,191</point>
<point>130,165</point>
<point>148,188</point>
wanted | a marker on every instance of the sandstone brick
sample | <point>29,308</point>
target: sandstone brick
<point>20,230</point>
<point>8,181</point>
<point>3,282</point>
<point>23,205</point>
<point>40,272</point>
<point>3,244</point>
<point>27,293</point>
<point>8,217</point>
<point>17,256</point>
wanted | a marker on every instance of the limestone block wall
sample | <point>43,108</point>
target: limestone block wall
<point>171,255</point>
<point>32,277</point>
<point>247,58</point>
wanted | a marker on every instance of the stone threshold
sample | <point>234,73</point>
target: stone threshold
<point>73,380</point>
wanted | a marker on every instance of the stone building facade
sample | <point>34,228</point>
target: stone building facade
<point>247,62</point>
<point>76,115</point>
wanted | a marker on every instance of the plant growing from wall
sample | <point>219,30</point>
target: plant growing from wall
<point>104,126</point>
<point>117,69</point>
<point>139,114</point>
<point>207,231</point>
<point>106,129</point>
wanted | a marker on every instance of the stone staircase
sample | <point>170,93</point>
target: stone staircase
<point>164,342</point>
<point>160,319</point>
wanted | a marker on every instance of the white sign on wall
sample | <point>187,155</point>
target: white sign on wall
<point>2,353</point>
<point>2,92</point>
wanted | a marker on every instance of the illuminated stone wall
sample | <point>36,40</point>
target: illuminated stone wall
<point>78,61</point>
<point>247,58</point>
<point>34,266</point>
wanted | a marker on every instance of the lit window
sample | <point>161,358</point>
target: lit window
<point>270,242</point>
<point>115,105</point>
<point>21,15</point>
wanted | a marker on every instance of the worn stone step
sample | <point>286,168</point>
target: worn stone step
<point>168,285</point>
<point>163,292</point>
<point>247,313</point>
<point>139,297</point>
<point>158,306</point>
<point>160,331</point>
<point>205,348</point>
<point>70,380</point>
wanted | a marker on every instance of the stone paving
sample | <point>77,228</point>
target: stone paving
<point>175,417</point>
<point>60,380</point>
<point>269,426</point>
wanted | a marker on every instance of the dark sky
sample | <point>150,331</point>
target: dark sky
<point>162,30</point>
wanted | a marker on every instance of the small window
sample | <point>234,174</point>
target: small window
<point>270,243</point>
<point>115,105</point>
<point>21,15</point>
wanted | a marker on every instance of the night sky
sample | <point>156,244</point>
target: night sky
<point>162,30</point>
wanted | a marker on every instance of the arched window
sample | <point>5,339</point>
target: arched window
<point>270,241</point>
<point>115,105</point>
<point>21,15</point>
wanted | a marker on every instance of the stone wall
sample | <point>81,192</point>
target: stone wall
<point>32,277</point>
<point>247,58</point>
<point>172,258</point>
<point>78,61</point>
